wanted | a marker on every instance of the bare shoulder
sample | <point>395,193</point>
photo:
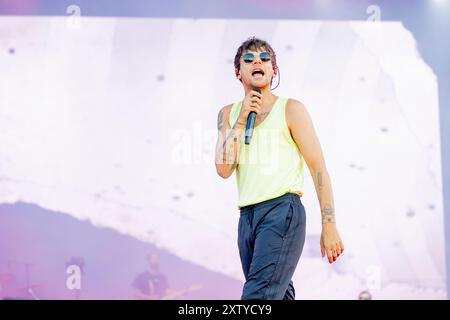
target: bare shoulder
<point>226,109</point>
<point>294,105</point>
<point>295,111</point>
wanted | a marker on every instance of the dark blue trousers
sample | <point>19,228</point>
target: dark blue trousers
<point>271,235</point>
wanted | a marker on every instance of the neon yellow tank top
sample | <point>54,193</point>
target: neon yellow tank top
<point>271,165</point>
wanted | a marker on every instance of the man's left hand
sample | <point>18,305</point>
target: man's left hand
<point>330,242</point>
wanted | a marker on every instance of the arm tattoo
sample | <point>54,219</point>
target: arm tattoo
<point>230,147</point>
<point>229,142</point>
<point>327,210</point>
<point>319,185</point>
<point>328,214</point>
<point>319,180</point>
<point>220,120</point>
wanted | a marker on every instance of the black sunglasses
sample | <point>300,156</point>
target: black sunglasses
<point>249,57</point>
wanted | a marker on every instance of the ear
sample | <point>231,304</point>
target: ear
<point>275,71</point>
<point>238,74</point>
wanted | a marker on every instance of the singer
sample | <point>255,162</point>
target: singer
<point>269,172</point>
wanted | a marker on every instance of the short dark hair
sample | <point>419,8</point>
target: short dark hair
<point>254,44</point>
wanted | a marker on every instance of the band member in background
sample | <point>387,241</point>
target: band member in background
<point>153,285</point>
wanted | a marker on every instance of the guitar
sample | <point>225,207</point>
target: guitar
<point>172,295</point>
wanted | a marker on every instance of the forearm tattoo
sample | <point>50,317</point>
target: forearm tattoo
<point>328,214</point>
<point>230,149</point>
<point>319,185</point>
<point>228,152</point>
<point>327,210</point>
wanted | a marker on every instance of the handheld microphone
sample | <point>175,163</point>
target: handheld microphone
<point>250,123</point>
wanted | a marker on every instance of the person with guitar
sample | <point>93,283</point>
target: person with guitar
<point>153,285</point>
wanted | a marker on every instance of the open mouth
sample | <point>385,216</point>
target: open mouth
<point>258,73</point>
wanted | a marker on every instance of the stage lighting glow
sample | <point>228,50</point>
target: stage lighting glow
<point>441,3</point>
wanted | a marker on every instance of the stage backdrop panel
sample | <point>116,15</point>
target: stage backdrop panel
<point>114,121</point>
